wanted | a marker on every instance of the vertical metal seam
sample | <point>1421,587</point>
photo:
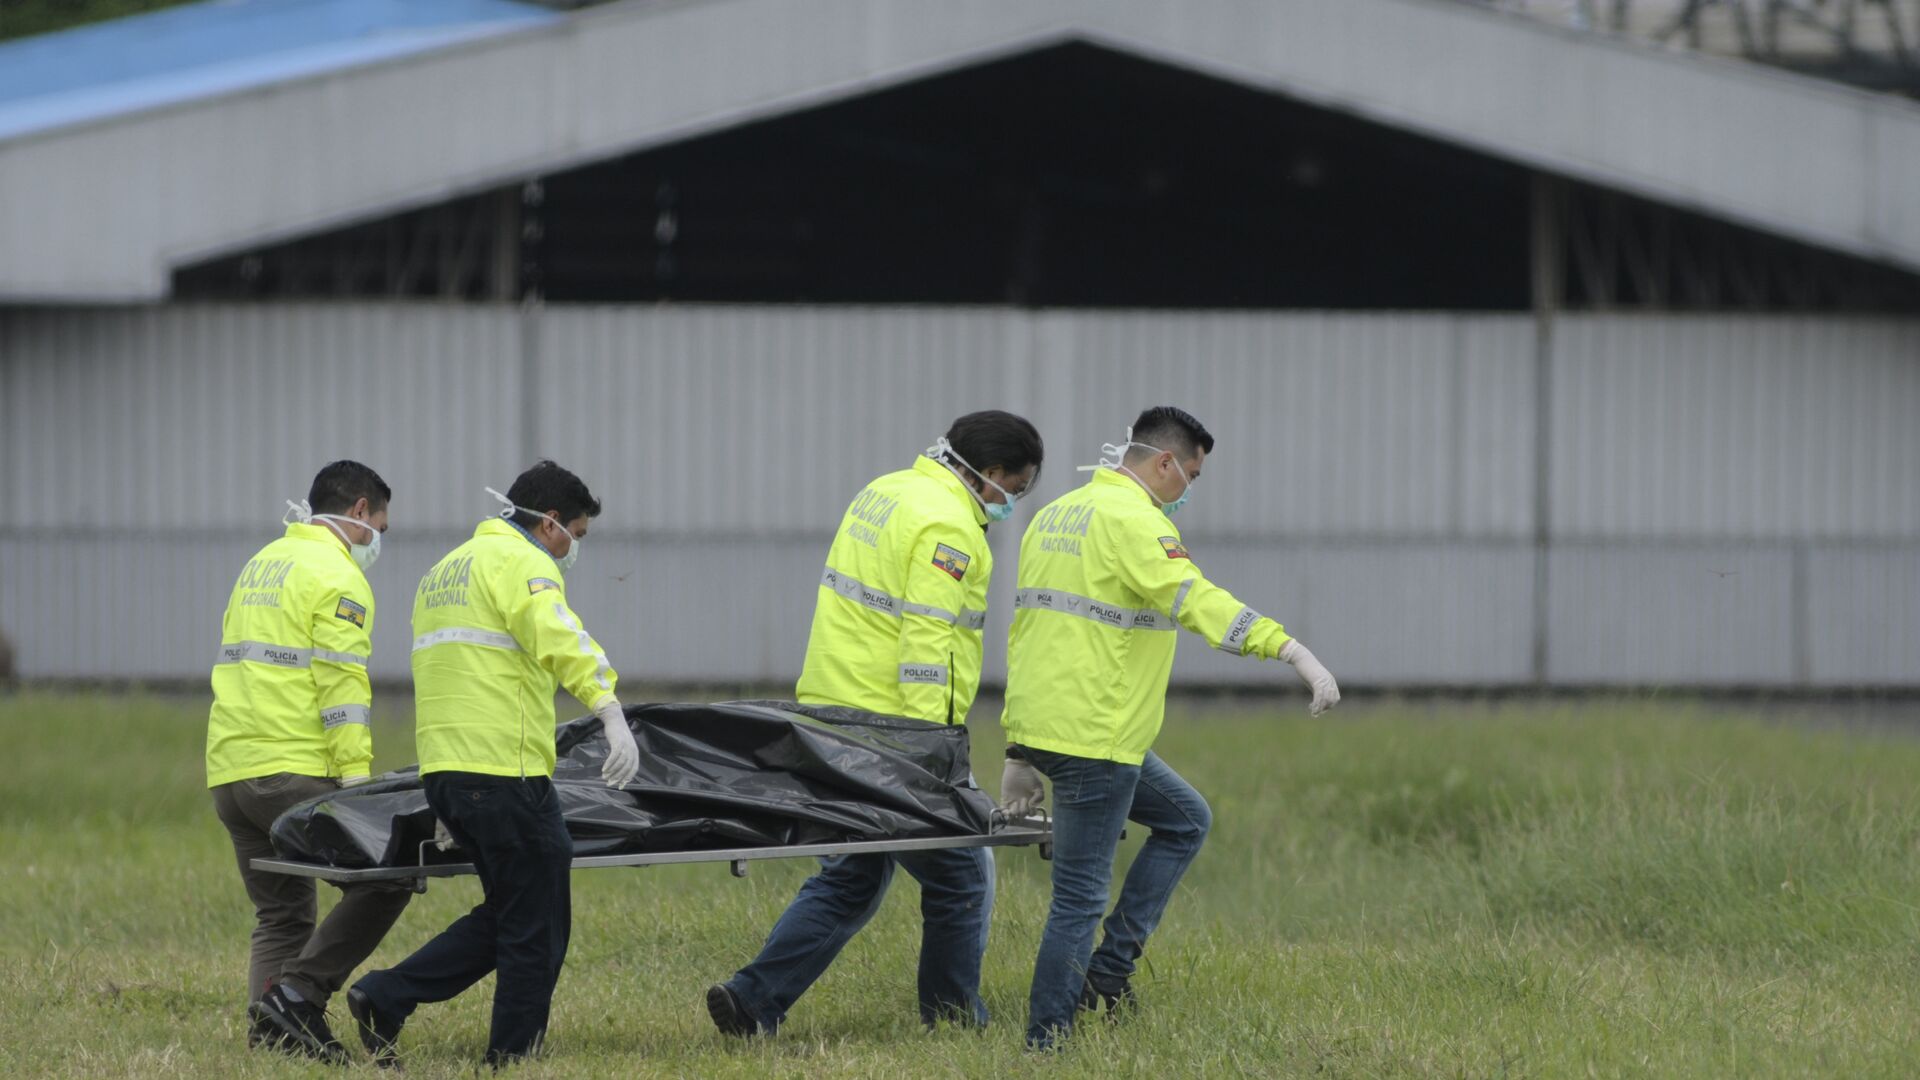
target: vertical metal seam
<point>1545,254</point>
<point>1798,606</point>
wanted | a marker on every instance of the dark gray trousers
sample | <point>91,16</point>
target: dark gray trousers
<point>287,947</point>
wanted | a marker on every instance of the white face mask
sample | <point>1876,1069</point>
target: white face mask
<point>363,555</point>
<point>564,562</point>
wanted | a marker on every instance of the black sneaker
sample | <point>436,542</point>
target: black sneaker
<point>1115,994</point>
<point>261,1032</point>
<point>728,1014</point>
<point>297,1027</point>
<point>379,1033</point>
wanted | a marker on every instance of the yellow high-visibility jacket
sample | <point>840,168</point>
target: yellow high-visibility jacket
<point>290,691</point>
<point>492,637</point>
<point>902,605</point>
<point>1104,584</point>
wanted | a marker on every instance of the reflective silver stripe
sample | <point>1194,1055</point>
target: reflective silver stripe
<point>968,617</point>
<point>1180,598</point>
<point>339,657</point>
<point>1236,640</point>
<point>343,714</point>
<point>935,674</point>
<point>586,646</point>
<point>859,593</point>
<point>931,612</point>
<point>886,604</point>
<point>260,652</point>
<point>1110,615</point>
<point>466,635</point>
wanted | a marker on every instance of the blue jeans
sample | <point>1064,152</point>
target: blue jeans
<point>1092,802</point>
<point>512,830</point>
<point>956,898</point>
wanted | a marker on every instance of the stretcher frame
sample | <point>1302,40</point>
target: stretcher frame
<point>1026,833</point>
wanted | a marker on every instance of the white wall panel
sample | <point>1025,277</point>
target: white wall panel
<point>1863,615</point>
<point>1376,613</point>
<point>1739,426</point>
<point>1734,499</point>
<point>209,417</point>
<point>1328,424</point>
<point>1692,615</point>
<point>755,420</point>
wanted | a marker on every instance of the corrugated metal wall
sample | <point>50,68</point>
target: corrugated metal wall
<point>1732,500</point>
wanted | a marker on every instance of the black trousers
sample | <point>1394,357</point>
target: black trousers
<point>513,831</point>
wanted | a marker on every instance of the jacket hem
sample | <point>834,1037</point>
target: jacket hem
<point>1061,746</point>
<point>255,772</point>
<point>484,768</point>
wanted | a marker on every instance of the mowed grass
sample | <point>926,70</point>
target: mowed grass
<point>1602,889</point>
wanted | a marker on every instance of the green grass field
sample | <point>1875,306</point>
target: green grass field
<point>1525,890</point>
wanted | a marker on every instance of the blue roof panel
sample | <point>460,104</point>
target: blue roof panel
<point>221,46</point>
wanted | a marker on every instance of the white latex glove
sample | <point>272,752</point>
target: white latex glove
<point>1023,789</point>
<point>349,781</point>
<point>1326,692</point>
<point>442,839</point>
<point>623,754</point>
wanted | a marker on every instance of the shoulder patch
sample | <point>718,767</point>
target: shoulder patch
<point>351,612</point>
<point>952,560</point>
<point>541,584</point>
<point>1174,548</point>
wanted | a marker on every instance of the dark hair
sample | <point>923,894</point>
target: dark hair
<point>992,437</point>
<point>1172,429</point>
<point>341,484</point>
<point>547,486</point>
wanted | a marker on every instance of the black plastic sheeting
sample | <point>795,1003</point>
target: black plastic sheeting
<point>734,774</point>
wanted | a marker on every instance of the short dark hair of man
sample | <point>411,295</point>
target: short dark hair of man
<point>1167,428</point>
<point>992,437</point>
<point>341,484</point>
<point>547,486</point>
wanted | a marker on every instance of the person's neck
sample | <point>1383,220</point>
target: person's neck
<point>1135,477</point>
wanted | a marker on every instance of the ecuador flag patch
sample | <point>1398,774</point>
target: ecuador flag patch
<point>1174,548</point>
<point>351,612</point>
<point>952,560</point>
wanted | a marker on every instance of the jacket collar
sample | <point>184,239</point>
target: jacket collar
<point>951,480</point>
<point>499,526</point>
<point>1114,477</point>
<point>320,534</point>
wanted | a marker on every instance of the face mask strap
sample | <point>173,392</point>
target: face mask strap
<point>508,507</point>
<point>1113,456</point>
<point>942,447</point>
<point>332,521</point>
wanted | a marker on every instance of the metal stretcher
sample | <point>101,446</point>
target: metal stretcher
<point>1025,833</point>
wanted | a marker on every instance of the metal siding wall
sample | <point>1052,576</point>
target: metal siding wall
<point>1755,428</point>
<point>118,605</point>
<point>753,420</point>
<point>1373,488</point>
<point>1864,615</point>
<point>1706,614</point>
<point>211,416</point>
<point>1376,613</point>
<point>1329,424</point>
